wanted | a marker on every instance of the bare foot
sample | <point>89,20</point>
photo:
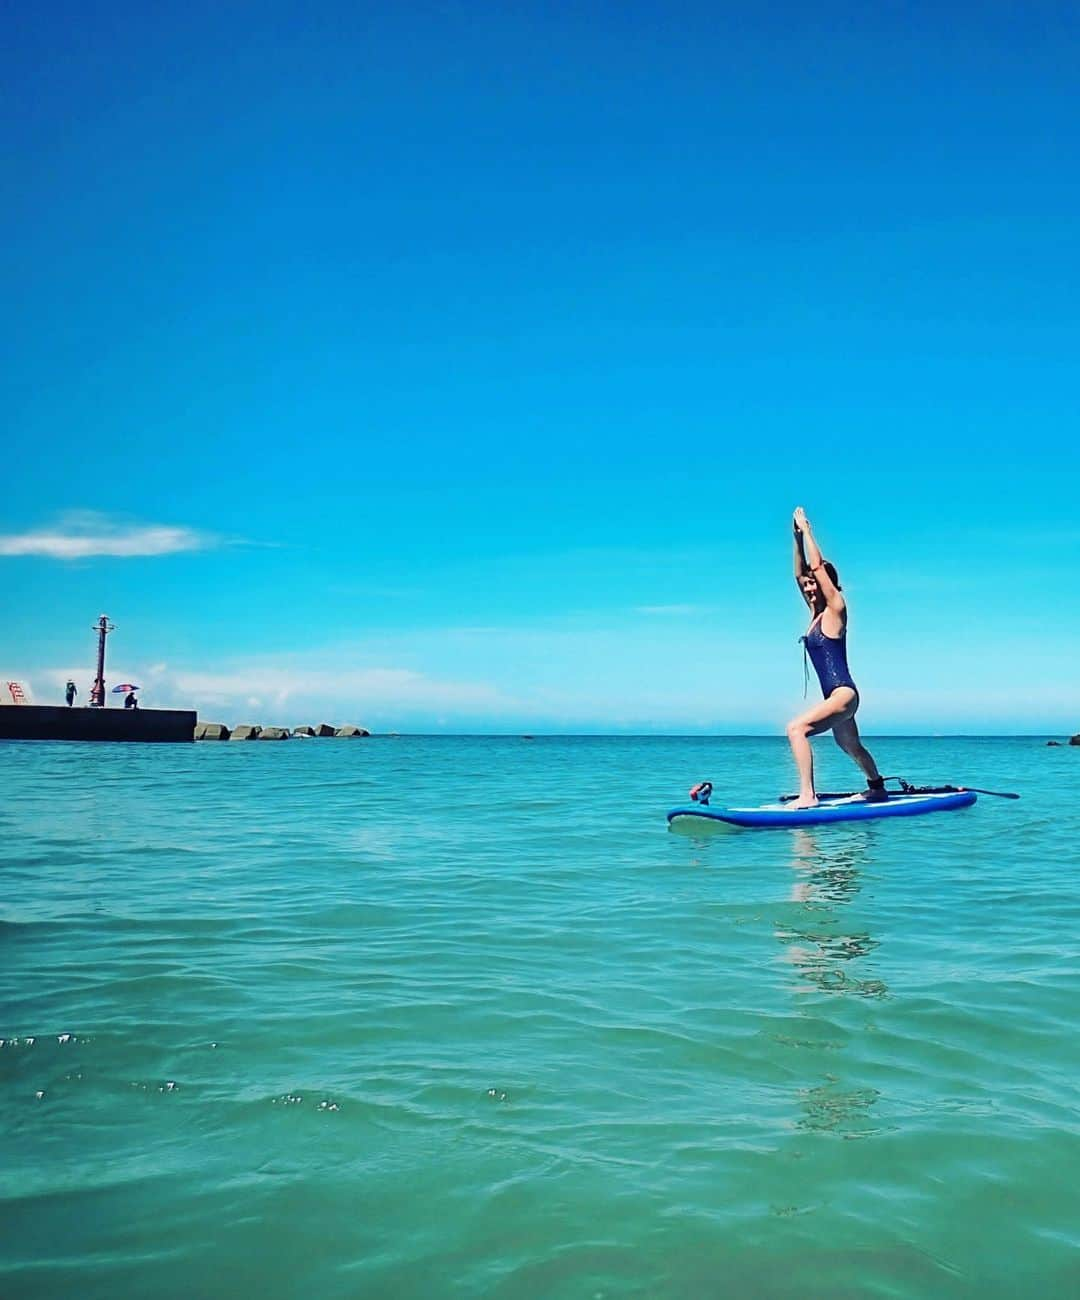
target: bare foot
<point>806,801</point>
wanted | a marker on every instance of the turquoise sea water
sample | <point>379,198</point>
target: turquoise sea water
<point>461,1017</point>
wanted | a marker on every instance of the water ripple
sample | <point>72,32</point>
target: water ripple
<point>511,1038</point>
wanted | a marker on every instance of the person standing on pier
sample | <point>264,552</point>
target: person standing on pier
<point>70,693</point>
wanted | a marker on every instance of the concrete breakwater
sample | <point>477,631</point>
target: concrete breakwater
<point>57,722</point>
<point>251,731</point>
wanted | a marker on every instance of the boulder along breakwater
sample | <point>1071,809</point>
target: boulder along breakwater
<point>250,731</point>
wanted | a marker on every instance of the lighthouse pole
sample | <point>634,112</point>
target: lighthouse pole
<point>97,692</point>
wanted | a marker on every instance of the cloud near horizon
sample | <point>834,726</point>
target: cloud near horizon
<point>83,534</point>
<point>385,698</point>
<point>288,694</point>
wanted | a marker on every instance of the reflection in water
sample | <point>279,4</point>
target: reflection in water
<point>829,952</point>
<point>831,1108</point>
<point>820,941</point>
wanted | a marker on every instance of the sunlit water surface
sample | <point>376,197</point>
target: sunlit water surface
<point>423,1017</point>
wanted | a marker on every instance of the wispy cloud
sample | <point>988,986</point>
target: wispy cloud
<point>287,693</point>
<point>82,534</point>
<point>362,687</point>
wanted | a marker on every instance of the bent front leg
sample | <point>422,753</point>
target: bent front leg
<point>813,722</point>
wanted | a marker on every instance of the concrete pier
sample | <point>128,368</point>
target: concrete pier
<point>55,722</point>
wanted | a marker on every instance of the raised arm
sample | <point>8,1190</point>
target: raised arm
<point>799,554</point>
<point>816,564</point>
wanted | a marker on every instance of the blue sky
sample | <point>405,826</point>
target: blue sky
<point>458,367</point>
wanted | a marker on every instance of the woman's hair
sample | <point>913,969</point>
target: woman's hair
<point>830,569</point>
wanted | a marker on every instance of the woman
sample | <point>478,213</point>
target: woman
<point>826,645</point>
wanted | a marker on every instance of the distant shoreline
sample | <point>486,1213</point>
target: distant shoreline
<point>1063,736</point>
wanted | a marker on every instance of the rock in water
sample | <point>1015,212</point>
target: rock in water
<point>245,732</point>
<point>274,733</point>
<point>325,729</point>
<point>303,731</point>
<point>211,731</point>
<point>351,731</point>
<point>1075,740</point>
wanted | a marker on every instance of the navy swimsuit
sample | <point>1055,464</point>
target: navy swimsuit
<point>828,654</point>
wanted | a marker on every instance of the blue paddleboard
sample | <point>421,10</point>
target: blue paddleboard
<point>851,808</point>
